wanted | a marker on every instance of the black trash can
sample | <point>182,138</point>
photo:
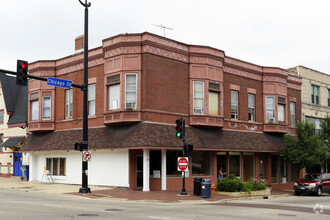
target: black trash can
<point>206,188</point>
<point>197,186</point>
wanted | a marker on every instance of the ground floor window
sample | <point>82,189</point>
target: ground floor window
<point>274,161</point>
<point>172,163</point>
<point>248,166</point>
<point>56,166</point>
<point>222,161</point>
<point>284,171</point>
<point>201,163</point>
<point>155,163</point>
<point>235,163</point>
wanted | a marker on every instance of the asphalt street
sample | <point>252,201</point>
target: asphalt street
<point>18,204</point>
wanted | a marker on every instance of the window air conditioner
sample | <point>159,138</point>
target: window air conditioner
<point>198,111</point>
<point>129,105</point>
<point>270,120</point>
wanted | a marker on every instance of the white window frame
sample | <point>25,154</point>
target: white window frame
<point>44,107</point>
<point>270,119</point>
<point>251,109</point>
<point>91,99</point>
<point>68,103</point>
<point>279,116</point>
<point>112,102</point>
<point>131,104</point>
<point>35,112</point>
<point>234,105</point>
<point>196,109</point>
<point>292,113</point>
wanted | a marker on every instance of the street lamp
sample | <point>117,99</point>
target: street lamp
<point>84,185</point>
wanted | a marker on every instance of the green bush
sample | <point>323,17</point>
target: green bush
<point>230,184</point>
<point>234,184</point>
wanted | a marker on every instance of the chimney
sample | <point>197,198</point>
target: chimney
<point>79,44</point>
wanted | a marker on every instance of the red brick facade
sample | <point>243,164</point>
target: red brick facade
<point>165,72</point>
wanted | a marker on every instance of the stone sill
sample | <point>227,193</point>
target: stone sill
<point>252,193</point>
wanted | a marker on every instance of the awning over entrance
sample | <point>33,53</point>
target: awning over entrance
<point>12,142</point>
<point>150,135</point>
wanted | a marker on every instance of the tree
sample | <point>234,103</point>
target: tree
<point>325,125</point>
<point>307,149</point>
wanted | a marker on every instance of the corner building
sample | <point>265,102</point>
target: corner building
<point>139,84</point>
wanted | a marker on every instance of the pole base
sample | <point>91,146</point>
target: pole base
<point>84,190</point>
<point>183,193</point>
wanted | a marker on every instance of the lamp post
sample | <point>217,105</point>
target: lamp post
<point>84,185</point>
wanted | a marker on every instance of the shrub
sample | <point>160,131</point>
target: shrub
<point>234,184</point>
<point>230,184</point>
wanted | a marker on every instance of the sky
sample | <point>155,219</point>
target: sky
<point>278,33</point>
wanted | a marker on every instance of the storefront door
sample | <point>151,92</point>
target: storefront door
<point>139,171</point>
<point>17,164</point>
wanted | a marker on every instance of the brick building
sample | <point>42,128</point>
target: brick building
<point>236,115</point>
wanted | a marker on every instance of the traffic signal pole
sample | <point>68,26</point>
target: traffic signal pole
<point>183,192</point>
<point>84,188</point>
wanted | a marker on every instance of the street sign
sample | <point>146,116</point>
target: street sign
<point>87,156</point>
<point>182,163</point>
<point>59,82</point>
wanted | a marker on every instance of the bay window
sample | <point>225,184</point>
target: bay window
<point>198,88</point>
<point>114,97</point>
<point>46,108</point>
<point>213,103</point>
<point>270,109</point>
<point>130,91</point>
<point>34,110</point>
<point>280,113</point>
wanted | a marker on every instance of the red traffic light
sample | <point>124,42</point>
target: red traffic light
<point>23,65</point>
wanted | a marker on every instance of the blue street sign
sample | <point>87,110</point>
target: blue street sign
<point>59,82</point>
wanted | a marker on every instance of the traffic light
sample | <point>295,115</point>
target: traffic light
<point>22,71</point>
<point>188,147</point>
<point>78,146</point>
<point>180,131</point>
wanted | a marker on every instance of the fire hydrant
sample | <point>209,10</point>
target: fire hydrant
<point>213,188</point>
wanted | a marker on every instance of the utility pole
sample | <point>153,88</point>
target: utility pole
<point>84,186</point>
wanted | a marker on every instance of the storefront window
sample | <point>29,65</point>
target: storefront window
<point>155,163</point>
<point>248,166</point>
<point>56,166</point>
<point>172,163</point>
<point>284,171</point>
<point>274,169</point>
<point>222,161</point>
<point>235,163</point>
<point>201,163</point>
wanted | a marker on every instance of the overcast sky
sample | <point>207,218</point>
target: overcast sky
<point>280,33</point>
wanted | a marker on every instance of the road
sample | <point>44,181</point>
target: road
<point>33,205</point>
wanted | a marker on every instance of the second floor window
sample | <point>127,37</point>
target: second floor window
<point>270,109</point>
<point>328,97</point>
<point>292,113</point>
<point>34,110</point>
<point>234,104</point>
<point>130,91</point>
<point>46,108</point>
<point>315,94</point>
<point>91,99</point>
<point>251,103</point>
<point>213,103</point>
<point>280,113</point>
<point>198,97</point>
<point>68,103</point>
<point>114,97</point>
<point>1,116</point>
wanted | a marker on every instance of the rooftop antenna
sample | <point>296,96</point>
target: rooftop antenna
<point>163,27</point>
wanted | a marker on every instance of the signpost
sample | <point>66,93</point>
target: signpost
<point>87,156</point>
<point>59,82</point>
<point>183,163</point>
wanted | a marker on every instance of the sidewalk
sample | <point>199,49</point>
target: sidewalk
<point>100,192</point>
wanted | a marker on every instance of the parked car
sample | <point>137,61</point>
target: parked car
<point>314,183</point>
